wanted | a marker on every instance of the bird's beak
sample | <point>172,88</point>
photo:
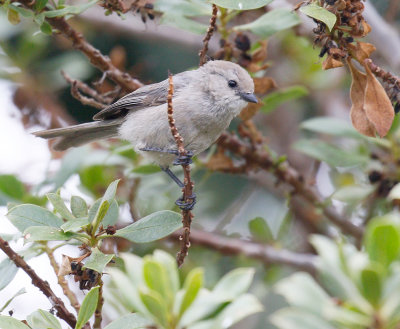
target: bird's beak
<point>249,97</point>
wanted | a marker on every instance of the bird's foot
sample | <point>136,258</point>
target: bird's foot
<point>186,205</point>
<point>183,159</point>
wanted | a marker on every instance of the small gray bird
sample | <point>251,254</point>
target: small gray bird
<point>205,101</point>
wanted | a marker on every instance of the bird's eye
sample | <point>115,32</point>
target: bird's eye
<point>232,83</point>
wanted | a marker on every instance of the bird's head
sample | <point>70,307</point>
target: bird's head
<point>229,84</point>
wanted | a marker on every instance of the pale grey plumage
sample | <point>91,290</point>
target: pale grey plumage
<point>204,105</point>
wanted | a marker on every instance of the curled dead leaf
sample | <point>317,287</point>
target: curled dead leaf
<point>377,104</point>
<point>264,84</point>
<point>357,94</point>
<point>250,110</point>
<point>366,28</point>
<point>361,51</point>
<point>331,63</point>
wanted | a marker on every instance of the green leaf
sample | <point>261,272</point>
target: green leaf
<point>88,307</point>
<point>155,276</point>
<point>70,10</point>
<point>274,21</point>
<point>241,4</point>
<point>276,98</point>
<point>39,18</point>
<point>75,224</point>
<point>46,28</point>
<point>11,187</point>
<point>331,126</point>
<point>109,195</point>
<point>43,320</point>
<point>382,240</point>
<point>235,282</point>
<point>101,212</point>
<point>130,321</point>
<point>27,215</point>
<point>371,284</point>
<point>169,263</point>
<point>78,206</point>
<point>98,261</point>
<point>106,201</point>
<point>353,193</point>
<point>60,206</point>
<point>183,23</point>
<point>183,8</point>
<point>46,233</point>
<point>146,169</point>
<point>321,14</point>
<point>240,308</point>
<point>18,293</point>
<point>40,4</point>
<point>152,227</point>
<point>13,16</point>
<point>289,318</point>
<point>155,305</point>
<point>192,286</point>
<point>260,230</point>
<point>112,214</point>
<point>8,270</point>
<point>7,322</point>
<point>22,11</point>
<point>302,291</point>
<point>332,155</point>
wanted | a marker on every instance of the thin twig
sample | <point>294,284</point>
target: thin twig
<point>264,253</point>
<point>287,174</point>
<point>210,31</point>
<point>81,86</point>
<point>381,73</point>
<point>103,63</point>
<point>62,282</point>
<point>57,303</point>
<point>98,313</point>
<point>187,190</point>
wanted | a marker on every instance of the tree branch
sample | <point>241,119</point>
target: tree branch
<point>285,173</point>
<point>57,303</point>
<point>187,190</point>
<point>210,31</point>
<point>266,254</point>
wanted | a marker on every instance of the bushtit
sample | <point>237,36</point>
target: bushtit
<point>205,101</point>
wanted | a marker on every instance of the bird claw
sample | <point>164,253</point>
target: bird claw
<point>183,159</point>
<point>183,205</point>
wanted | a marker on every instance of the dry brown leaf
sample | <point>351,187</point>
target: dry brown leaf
<point>361,51</point>
<point>250,110</point>
<point>357,93</point>
<point>331,63</point>
<point>261,53</point>
<point>377,104</point>
<point>264,84</point>
<point>366,28</point>
<point>254,67</point>
<point>219,161</point>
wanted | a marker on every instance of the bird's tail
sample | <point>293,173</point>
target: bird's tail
<point>81,134</point>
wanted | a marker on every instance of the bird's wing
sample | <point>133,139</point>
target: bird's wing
<point>146,96</point>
